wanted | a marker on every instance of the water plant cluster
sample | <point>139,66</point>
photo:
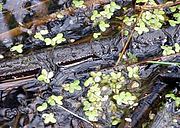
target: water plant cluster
<point>59,38</point>
<point>151,19</point>
<point>72,87</point>
<point>1,7</point>
<point>51,101</point>
<point>168,50</point>
<point>100,18</point>
<point>18,48</point>
<point>45,76</point>
<point>176,15</point>
<point>78,3</point>
<point>175,98</point>
<point>103,89</point>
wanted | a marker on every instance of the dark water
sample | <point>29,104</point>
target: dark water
<point>21,93</point>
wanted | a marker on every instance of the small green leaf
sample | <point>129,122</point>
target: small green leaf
<point>172,22</point>
<point>42,107</point>
<point>48,41</point>
<point>44,32</point>
<point>78,3</point>
<point>177,47</point>
<point>49,118</point>
<point>1,7</point>
<point>103,26</point>
<point>45,76</point>
<point>17,48</point>
<point>96,35</point>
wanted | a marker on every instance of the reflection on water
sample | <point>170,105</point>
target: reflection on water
<point>18,13</point>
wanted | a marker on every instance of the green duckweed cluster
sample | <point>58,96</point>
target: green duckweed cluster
<point>45,76</point>
<point>100,17</point>
<point>18,48</point>
<point>175,98</point>
<point>78,3</point>
<point>176,15</point>
<point>168,50</point>
<point>52,100</point>
<point>72,87</point>
<point>59,38</point>
<point>106,88</point>
<point>152,19</point>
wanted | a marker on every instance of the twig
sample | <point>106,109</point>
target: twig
<point>163,63</point>
<point>129,38</point>
<point>162,58</point>
<point>75,115</point>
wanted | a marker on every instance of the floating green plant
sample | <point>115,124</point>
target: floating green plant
<point>39,36</point>
<point>177,47</point>
<point>44,32</point>
<point>78,3</point>
<point>97,83</point>
<point>167,50</point>
<point>72,86</point>
<point>1,7</point>
<point>153,19</point>
<point>125,98</point>
<point>59,38</point>
<point>17,48</point>
<point>42,107</point>
<point>133,72</point>
<point>96,35</point>
<point>103,25</point>
<point>176,15</point>
<point>175,98</point>
<point>49,118</point>
<point>100,18</point>
<point>45,76</point>
<point>53,100</point>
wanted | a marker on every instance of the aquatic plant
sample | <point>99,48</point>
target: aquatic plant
<point>97,82</point>
<point>175,98</point>
<point>131,58</point>
<point>1,7</point>
<point>176,15</point>
<point>103,25</point>
<point>91,110</point>
<point>49,118</point>
<point>177,47</point>
<point>133,72</point>
<point>17,48</point>
<point>150,19</point>
<point>78,3</point>
<point>39,36</point>
<point>53,100</point>
<point>167,50</point>
<point>42,107</point>
<point>100,18</point>
<point>125,98</point>
<point>96,35</point>
<point>45,76</point>
<point>44,32</point>
<point>56,40</point>
<point>59,38</point>
<point>71,87</point>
